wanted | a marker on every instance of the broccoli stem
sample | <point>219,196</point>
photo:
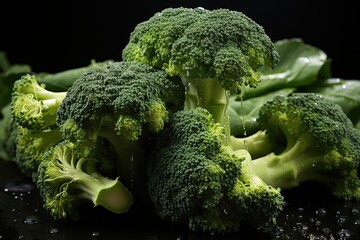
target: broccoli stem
<point>257,144</point>
<point>130,158</point>
<point>43,94</point>
<point>291,167</point>
<point>208,94</point>
<point>108,193</point>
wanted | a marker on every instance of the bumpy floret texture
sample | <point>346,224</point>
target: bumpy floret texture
<point>196,179</point>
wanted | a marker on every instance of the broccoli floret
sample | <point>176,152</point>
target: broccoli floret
<point>8,133</point>
<point>319,143</point>
<point>121,102</point>
<point>32,145</point>
<point>69,176</point>
<point>196,179</point>
<point>33,106</point>
<point>214,52</point>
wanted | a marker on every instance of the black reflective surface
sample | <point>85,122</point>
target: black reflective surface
<point>310,213</point>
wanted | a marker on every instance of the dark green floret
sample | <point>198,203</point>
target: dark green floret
<point>212,51</point>
<point>122,103</point>
<point>194,178</point>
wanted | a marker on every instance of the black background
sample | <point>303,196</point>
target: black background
<point>53,36</point>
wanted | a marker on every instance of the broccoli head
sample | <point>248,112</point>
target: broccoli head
<point>70,175</point>
<point>122,103</point>
<point>33,106</point>
<point>316,141</point>
<point>196,179</point>
<point>186,42</point>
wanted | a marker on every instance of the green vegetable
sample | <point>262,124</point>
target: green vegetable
<point>205,122</point>
<point>319,144</point>
<point>187,43</point>
<point>69,176</point>
<point>61,81</point>
<point>243,114</point>
<point>344,92</point>
<point>32,145</point>
<point>194,175</point>
<point>33,106</point>
<point>300,65</point>
<point>122,103</point>
<point>9,73</point>
<point>197,180</point>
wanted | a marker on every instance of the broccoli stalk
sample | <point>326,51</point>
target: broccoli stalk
<point>257,144</point>
<point>68,176</point>
<point>319,143</point>
<point>33,106</point>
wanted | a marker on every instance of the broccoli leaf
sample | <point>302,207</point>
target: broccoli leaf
<point>243,114</point>
<point>7,79</point>
<point>344,92</point>
<point>300,65</point>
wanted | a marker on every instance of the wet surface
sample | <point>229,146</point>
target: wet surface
<point>309,213</point>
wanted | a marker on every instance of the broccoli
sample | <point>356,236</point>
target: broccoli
<point>122,103</point>
<point>187,43</point>
<point>32,145</point>
<point>8,134</point>
<point>194,174</point>
<point>316,141</point>
<point>195,178</point>
<point>33,106</point>
<point>69,176</point>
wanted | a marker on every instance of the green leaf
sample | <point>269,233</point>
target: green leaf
<point>299,65</point>
<point>7,79</point>
<point>344,92</point>
<point>243,114</point>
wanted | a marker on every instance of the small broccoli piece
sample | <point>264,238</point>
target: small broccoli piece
<point>32,145</point>
<point>33,106</point>
<point>68,176</point>
<point>8,133</point>
<point>121,102</point>
<point>196,179</point>
<point>319,143</point>
<point>188,43</point>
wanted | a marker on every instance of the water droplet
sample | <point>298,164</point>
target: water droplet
<point>95,234</point>
<point>321,212</point>
<point>54,230</point>
<point>357,222</point>
<point>31,220</point>
<point>302,227</point>
<point>355,212</point>
<point>150,237</point>
<point>326,230</point>
<point>344,233</point>
<point>21,237</point>
<point>300,209</point>
<point>342,220</point>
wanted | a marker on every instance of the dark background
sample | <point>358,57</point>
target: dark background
<point>53,36</point>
